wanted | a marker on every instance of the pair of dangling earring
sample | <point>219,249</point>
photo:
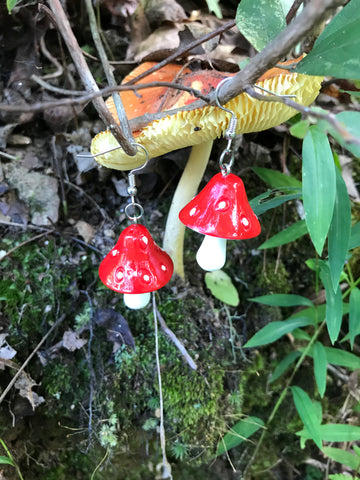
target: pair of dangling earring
<point>137,266</point>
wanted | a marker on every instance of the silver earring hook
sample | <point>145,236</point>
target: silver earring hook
<point>137,209</point>
<point>230,133</point>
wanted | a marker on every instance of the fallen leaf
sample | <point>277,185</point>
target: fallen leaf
<point>6,351</point>
<point>25,384</point>
<point>72,342</point>
<point>85,230</point>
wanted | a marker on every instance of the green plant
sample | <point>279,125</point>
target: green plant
<point>8,459</point>
<point>328,222</point>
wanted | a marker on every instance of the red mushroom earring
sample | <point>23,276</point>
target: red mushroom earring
<point>221,211</point>
<point>136,265</point>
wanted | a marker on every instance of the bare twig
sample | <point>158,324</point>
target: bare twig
<point>293,9</point>
<point>29,240</point>
<point>108,72</point>
<point>86,76</point>
<point>180,52</point>
<point>171,335</point>
<point>308,112</point>
<point>16,376</point>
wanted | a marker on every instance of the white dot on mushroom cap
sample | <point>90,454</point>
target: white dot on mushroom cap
<point>114,252</point>
<point>146,278</point>
<point>192,211</point>
<point>222,205</point>
<point>145,240</point>
<point>163,268</point>
<point>245,222</point>
<point>119,275</point>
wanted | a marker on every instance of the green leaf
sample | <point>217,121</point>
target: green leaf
<point>260,205</point>
<point>341,476</point>
<point>275,178</point>
<point>340,229</point>
<point>354,315</point>
<point>6,461</point>
<point>333,432</point>
<point>355,236</point>
<point>308,414</point>
<point>300,129</point>
<point>320,367</point>
<point>10,4</point>
<point>351,122</point>
<point>260,21</point>
<point>239,433</point>
<point>319,185</point>
<point>283,300</point>
<point>334,304</point>
<point>342,358</point>
<point>220,285</point>
<point>343,457</point>
<point>336,51</point>
<point>284,364</point>
<point>274,330</point>
<point>213,6</point>
<point>287,235</point>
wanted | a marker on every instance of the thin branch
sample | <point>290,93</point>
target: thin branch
<point>86,76</point>
<point>123,120</point>
<point>308,112</point>
<point>293,9</point>
<point>87,97</point>
<point>171,335</point>
<point>21,369</point>
<point>316,12</point>
<point>180,52</point>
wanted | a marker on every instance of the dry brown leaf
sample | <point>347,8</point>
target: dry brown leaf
<point>72,342</point>
<point>24,384</point>
<point>85,230</point>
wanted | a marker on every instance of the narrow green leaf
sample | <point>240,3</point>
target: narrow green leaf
<point>340,229</point>
<point>274,330</point>
<point>351,122</point>
<point>342,358</point>
<point>6,461</point>
<point>355,236</point>
<point>220,285</point>
<point>354,315</point>
<point>284,364</point>
<point>213,6</point>
<point>333,432</point>
<point>334,304</point>
<point>272,199</point>
<point>283,300</point>
<point>300,129</point>
<point>10,4</point>
<point>319,185</point>
<point>343,457</point>
<point>287,235</point>
<point>335,52</point>
<point>260,21</point>
<point>320,367</point>
<point>239,433</point>
<point>308,414</point>
<point>275,178</point>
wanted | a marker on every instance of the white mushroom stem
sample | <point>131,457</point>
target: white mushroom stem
<point>136,301</point>
<point>185,191</point>
<point>212,253</point>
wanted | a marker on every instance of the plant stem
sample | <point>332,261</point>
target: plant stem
<point>282,396</point>
<point>185,191</point>
<point>12,459</point>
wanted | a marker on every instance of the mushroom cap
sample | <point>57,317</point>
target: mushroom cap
<point>136,264</point>
<point>192,127</point>
<point>222,209</point>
